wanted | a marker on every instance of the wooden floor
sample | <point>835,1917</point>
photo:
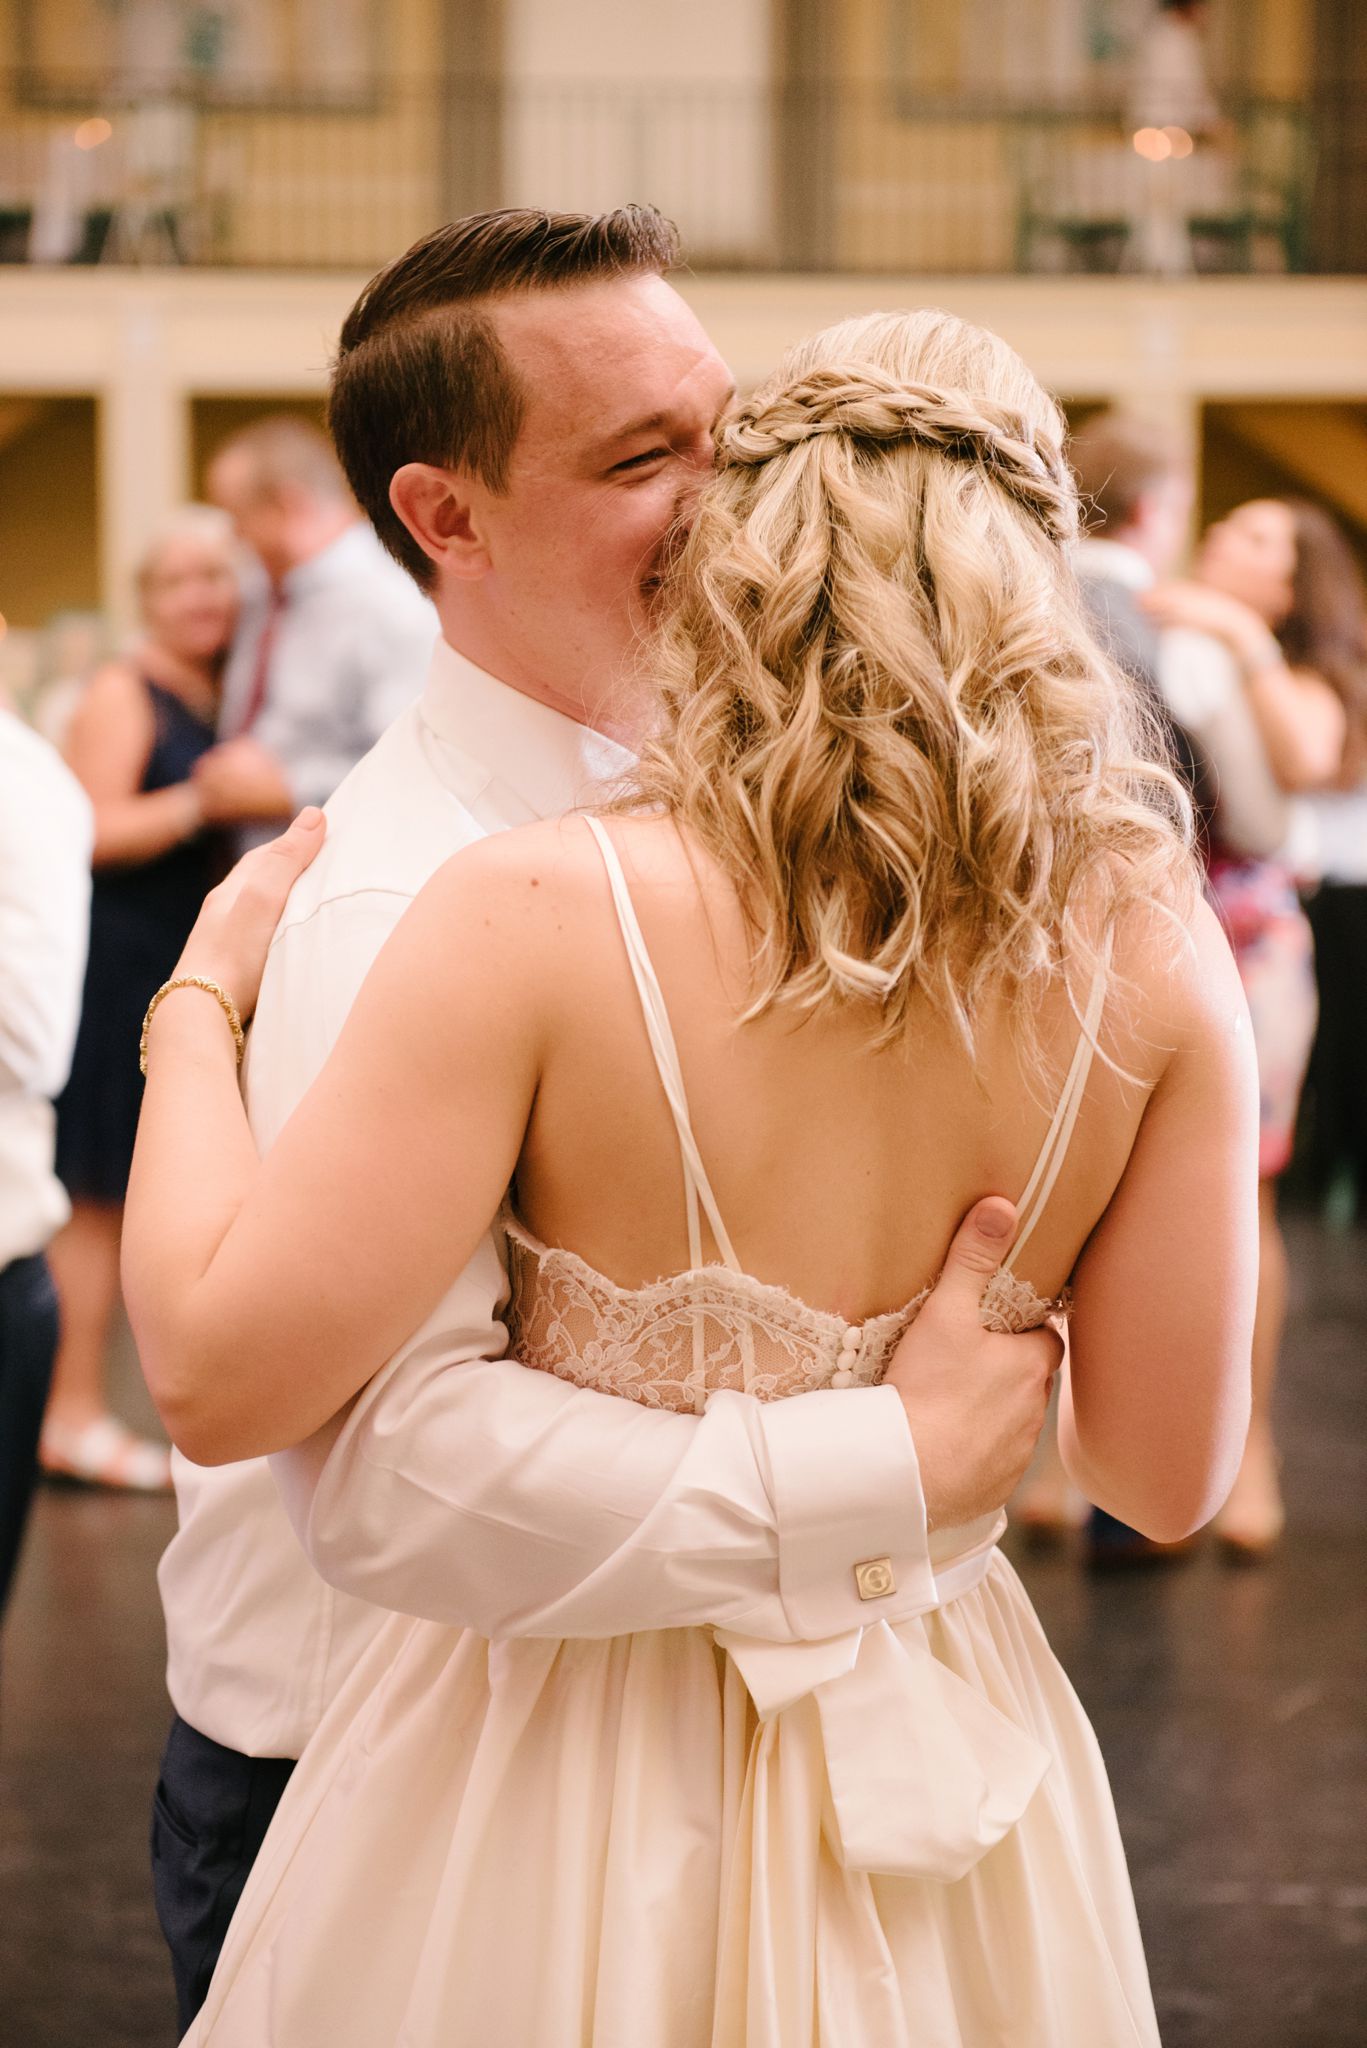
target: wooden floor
<point>1229,1705</point>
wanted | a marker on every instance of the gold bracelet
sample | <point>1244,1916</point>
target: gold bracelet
<point>220,996</point>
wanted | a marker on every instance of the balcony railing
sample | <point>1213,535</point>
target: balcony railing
<point>800,177</point>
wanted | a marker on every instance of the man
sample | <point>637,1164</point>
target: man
<point>46,832</point>
<point>1139,490</point>
<point>333,641</point>
<point>524,408</point>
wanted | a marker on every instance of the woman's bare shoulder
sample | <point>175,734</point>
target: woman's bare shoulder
<point>516,899</point>
<point>111,730</point>
<point>114,690</point>
<point>559,859</point>
<point>1176,982</point>
<point>544,860</point>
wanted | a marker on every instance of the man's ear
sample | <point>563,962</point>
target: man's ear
<point>438,509</point>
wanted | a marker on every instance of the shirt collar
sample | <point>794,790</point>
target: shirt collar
<point>1112,561</point>
<point>551,762</point>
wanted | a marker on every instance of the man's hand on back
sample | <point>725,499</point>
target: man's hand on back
<point>975,1399</point>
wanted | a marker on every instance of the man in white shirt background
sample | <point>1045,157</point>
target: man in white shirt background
<point>333,639</point>
<point>1139,493</point>
<point>46,832</point>
<point>523,407</point>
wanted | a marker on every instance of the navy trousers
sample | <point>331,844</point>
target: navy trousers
<point>209,1818</point>
<point>28,1345</point>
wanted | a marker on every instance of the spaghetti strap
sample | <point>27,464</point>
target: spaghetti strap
<point>1057,1138</point>
<point>697,1186</point>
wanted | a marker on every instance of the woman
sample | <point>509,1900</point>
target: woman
<point>893,867</point>
<point>141,725</point>
<point>1264,600</point>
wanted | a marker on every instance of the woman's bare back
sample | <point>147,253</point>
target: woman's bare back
<point>841,1170</point>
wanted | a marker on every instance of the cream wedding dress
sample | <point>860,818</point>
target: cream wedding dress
<point>902,1838</point>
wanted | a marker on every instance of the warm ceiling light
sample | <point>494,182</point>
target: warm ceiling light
<point>91,134</point>
<point>1179,141</point>
<point>1152,143</point>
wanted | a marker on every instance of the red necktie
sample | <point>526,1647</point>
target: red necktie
<point>265,647</point>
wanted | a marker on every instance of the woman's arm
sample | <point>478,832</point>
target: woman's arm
<point>1300,719</point>
<point>107,746</point>
<point>1155,1409</point>
<point>310,1267</point>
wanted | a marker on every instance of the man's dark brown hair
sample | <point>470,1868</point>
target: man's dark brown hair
<point>420,374</point>
<point>1116,457</point>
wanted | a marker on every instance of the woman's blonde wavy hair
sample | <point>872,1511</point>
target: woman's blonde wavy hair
<point>884,713</point>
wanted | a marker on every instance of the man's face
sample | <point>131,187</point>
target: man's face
<point>260,517</point>
<point>623,391</point>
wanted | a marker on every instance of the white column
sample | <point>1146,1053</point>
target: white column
<point>144,445</point>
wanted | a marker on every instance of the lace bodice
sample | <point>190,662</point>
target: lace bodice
<point>715,1327</point>
<point>675,1342</point>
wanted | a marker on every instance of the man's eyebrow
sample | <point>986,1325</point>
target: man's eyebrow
<point>649,425</point>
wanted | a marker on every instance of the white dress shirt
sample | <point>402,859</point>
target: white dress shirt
<point>1328,837</point>
<point>349,650</point>
<point>460,1485</point>
<point>46,831</point>
<point>1201,685</point>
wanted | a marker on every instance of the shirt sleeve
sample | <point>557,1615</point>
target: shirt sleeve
<point>1201,684</point>
<point>483,1495</point>
<point>45,841</point>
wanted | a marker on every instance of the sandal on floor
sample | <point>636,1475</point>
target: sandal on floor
<point>106,1454</point>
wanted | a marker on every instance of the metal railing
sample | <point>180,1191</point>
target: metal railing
<point>801,176</point>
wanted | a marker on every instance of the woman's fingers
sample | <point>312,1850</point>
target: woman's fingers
<point>283,860</point>
<point>233,932</point>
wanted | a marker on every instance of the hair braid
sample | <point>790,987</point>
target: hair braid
<point>868,404</point>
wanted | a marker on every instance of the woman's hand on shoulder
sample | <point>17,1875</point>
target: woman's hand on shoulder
<point>237,921</point>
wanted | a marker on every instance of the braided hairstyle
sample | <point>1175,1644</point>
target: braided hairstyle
<point>871,405</point>
<point>884,712</point>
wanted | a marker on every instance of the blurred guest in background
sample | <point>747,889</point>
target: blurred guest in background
<point>1169,84</point>
<point>1137,494</point>
<point>1138,487</point>
<point>334,642</point>
<point>1329,846</point>
<point>1261,615</point>
<point>134,740</point>
<point>1174,120</point>
<point>45,836</point>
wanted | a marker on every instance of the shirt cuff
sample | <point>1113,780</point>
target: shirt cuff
<point>853,1546</point>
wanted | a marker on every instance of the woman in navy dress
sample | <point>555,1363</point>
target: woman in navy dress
<point>141,726</point>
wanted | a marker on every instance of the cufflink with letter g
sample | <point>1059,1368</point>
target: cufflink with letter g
<point>875,1578</point>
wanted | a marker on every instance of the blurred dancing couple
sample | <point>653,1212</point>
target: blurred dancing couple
<point>644,1247</point>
